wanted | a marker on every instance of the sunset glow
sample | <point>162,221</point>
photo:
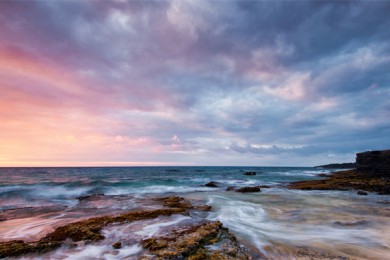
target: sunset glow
<point>124,83</point>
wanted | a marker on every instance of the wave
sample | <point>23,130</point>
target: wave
<point>154,189</point>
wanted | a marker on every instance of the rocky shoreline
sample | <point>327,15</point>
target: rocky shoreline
<point>194,240</point>
<point>346,180</point>
<point>189,242</point>
<point>371,174</point>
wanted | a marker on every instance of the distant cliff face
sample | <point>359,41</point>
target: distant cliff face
<point>374,162</point>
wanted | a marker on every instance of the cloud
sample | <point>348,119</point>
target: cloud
<point>238,83</point>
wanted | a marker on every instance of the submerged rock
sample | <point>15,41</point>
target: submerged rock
<point>283,251</point>
<point>362,192</point>
<point>97,196</point>
<point>117,245</point>
<point>351,224</point>
<point>192,242</point>
<point>322,175</point>
<point>212,184</point>
<point>249,189</point>
<point>250,173</point>
<point>264,187</point>
<point>230,188</point>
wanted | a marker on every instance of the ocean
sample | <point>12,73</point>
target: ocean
<point>33,201</point>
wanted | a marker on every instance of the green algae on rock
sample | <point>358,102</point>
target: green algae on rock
<point>19,247</point>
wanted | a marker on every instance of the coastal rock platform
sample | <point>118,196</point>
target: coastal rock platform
<point>346,180</point>
<point>191,241</point>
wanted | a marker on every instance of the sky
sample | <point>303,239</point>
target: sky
<point>256,83</point>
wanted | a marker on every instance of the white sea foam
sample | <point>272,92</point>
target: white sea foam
<point>105,252</point>
<point>242,217</point>
<point>5,189</point>
<point>59,191</point>
<point>307,173</point>
<point>125,252</point>
<point>240,182</point>
<point>141,229</point>
<point>88,252</point>
<point>152,229</point>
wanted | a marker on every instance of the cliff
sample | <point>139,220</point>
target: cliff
<point>375,163</point>
<point>372,174</point>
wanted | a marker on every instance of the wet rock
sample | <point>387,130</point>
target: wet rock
<point>212,184</point>
<point>230,188</point>
<point>264,187</point>
<point>175,202</point>
<point>97,196</point>
<point>351,224</point>
<point>203,207</point>
<point>19,247</point>
<point>192,242</point>
<point>361,192</point>
<point>249,189</point>
<point>249,173</point>
<point>181,203</point>
<point>117,245</point>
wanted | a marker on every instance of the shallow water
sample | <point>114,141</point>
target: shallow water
<point>341,222</point>
<point>33,201</point>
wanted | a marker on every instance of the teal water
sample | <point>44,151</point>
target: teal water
<point>26,186</point>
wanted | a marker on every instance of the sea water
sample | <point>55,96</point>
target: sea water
<point>33,201</point>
